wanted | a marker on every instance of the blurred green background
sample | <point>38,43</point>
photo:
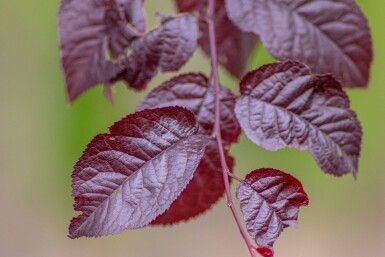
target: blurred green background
<point>41,137</point>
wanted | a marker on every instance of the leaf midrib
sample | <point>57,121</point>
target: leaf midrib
<point>128,177</point>
<point>308,123</point>
<point>338,47</point>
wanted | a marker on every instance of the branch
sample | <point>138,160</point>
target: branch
<point>217,124</point>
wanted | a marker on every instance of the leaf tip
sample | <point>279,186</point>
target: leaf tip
<point>265,251</point>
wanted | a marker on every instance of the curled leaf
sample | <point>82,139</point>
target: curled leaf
<point>234,47</point>
<point>166,48</point>
<point>270,201</point>
<point>90,31</point>
<point>330,36</point>
<point>133,12</point>
<point>126,178</point>
<point>283,104</point>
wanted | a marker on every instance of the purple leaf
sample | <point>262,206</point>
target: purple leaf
<point>133,13</point>
<point>330,36</point>
<point>283,104</point>
<point>193,91</point>
<point>204,190</point>
<point>128,177</point>
<point>270,201</point>
<point>88,31</point>
<point>166,48</point>
<point>234,47</point>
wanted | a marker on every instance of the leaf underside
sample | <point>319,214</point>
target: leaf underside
<point>234,47</point>
<point>126,178</point>
<point>270,201</point>
<point>283,104</point>
<point>133,12</point>
<point>193,91</point>
<point>329,36</point>
<point>104,41</point>
<point>88,31</point>
<point>165,49</point>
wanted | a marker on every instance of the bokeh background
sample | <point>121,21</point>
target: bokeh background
<point>41,137</point>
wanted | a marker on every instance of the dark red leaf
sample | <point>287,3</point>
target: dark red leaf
<point>234,47</point>
<point>204,190</point>
<point>88,30</point>
<point>190,5</point>
<point>283,104</point>
<point>270,201</point>
<point>328,35</point>
<point>127,178</point>
<point>166,48</point>
<point>130,14</point>
<point>193,91</point>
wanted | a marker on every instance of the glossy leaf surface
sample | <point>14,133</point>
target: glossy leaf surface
<point>126,178</point>
<point>90,30</point>
<point>330,36</point>
<point>203,191</point>
<point>283,104</point>
<point>270,201</point>
<point>234,47</point>
<point>166,48</point>
<point>193,91</point>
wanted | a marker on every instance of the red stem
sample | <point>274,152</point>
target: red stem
<point>217,124</point>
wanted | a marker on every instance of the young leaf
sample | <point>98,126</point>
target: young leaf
<point>234,47</point>
<point>283,104</point>
<point>166,48</point>
<point>270,201</point>
<point>128,177</point>
<point>329,36</point>
<point>88,29</point>
<point>193,91</point>
<point>203,191</point>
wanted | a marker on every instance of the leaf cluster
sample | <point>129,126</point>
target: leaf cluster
<point>170,161</point>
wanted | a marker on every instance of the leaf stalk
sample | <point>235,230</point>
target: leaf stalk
<point>217,124</point>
